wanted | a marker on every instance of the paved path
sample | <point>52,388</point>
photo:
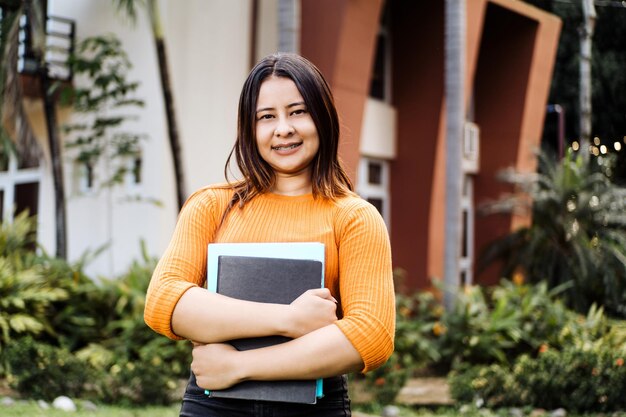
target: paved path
<point>419,391</point>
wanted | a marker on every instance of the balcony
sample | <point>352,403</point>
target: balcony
<point>59,46</point>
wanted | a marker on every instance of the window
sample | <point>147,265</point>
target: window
<point>136,169</point>
<point>26,198</point>
<point>19,189</point>
<point>466,262</point>
<point>373,184</point>
<point>380,86</point>
<point>84,177</point>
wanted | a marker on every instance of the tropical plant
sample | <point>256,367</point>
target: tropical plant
<point>27,298</point>
<point>134,364</point>
<point>102,98</point>
<point>497,325</point>
<point>577,235</point>
<point>81,337</point>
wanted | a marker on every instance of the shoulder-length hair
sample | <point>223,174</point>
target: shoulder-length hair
<point>328,177</point>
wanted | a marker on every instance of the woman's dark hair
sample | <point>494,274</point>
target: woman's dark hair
<point>328,177</point>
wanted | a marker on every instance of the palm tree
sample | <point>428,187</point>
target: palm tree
<point>578,231</point>
<point>586,37</point>
<point>455,119</point>
<point>152,7</point>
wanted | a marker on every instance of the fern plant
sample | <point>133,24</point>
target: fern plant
<point>26,296</point>
<point>577,235</point>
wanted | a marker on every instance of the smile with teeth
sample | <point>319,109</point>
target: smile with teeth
<point>286,147</point>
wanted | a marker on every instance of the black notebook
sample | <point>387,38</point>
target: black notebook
<point>272,280</point>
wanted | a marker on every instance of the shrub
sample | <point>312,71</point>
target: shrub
<point>27,297</point>
<point>92,336</point>
<point>385,382</point>
<point>498,324</point>
<point>586,374</point>
<point>418,325</point>
<point>38,370</point>
<point>493,384</point>
<point>577,235</point>
<point>135,364</point>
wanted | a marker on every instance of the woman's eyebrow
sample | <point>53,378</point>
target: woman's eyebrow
<point>298,103</point>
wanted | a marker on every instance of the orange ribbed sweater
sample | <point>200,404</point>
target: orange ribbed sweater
<point>358,258</point>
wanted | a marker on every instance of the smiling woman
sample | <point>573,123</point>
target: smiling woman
<point>286,136</point>
<point>293,189</point>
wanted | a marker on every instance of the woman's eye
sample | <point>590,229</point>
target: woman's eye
<point>298,111</point>
<point>265,117</point>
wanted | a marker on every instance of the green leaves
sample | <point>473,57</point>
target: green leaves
<point>81,338</point>
<point>104,101</point>
<point>577,235</point>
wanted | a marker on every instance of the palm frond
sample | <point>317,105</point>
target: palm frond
<point>578,230</point>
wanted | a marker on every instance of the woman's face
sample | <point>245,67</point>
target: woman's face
<point>286,136</point>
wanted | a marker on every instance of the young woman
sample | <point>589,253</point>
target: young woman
<point>293,189</point>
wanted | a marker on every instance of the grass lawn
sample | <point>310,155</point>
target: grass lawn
<point>31,409</point>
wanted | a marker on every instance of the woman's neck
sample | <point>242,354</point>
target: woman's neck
<point>297,184</point>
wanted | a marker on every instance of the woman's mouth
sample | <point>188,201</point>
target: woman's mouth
<point>286,147</point>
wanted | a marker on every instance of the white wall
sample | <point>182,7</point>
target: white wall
<point>267,28</point>
<point>208,46</point>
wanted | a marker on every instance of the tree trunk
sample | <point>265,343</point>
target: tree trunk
<point>56,159</point>
<point>172,128</point>
<point>586,36</point>
<point>455,119</point>
<point>168,99</point>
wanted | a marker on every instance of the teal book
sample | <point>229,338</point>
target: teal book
<point>271,273</point>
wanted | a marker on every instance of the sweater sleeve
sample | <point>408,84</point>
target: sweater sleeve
<point>366,284</point>
<point>183,265</point>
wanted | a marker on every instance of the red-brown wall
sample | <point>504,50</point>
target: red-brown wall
<point>511,48</point>
<point>339,36</point>
<point>418,96</point>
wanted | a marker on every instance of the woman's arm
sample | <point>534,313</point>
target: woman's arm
<point>361,341</point>
<point>206,317</point>
<point>178,307</point>
<point>322,353</point>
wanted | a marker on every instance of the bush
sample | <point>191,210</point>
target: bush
<point>134,364</point>
<point>580,380</point>
<point>27,297</point>
<point>498,324</point>
<point>385,383</point>
<point>493,384</point>
<point>577,235</point>
<point>418,325</point>
<point>586,375</point>
<point>82,337</point>
<point>41,371</point>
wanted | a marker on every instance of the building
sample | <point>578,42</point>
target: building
<point>385,63</point>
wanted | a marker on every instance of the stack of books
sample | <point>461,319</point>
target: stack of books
<point>269,273</point>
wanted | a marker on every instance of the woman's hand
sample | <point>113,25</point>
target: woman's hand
<point>215,365</point>
<point>312,310</point>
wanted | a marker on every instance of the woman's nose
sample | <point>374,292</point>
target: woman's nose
<point>284,128</point>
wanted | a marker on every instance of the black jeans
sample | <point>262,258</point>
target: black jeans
<point>335,403</point>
